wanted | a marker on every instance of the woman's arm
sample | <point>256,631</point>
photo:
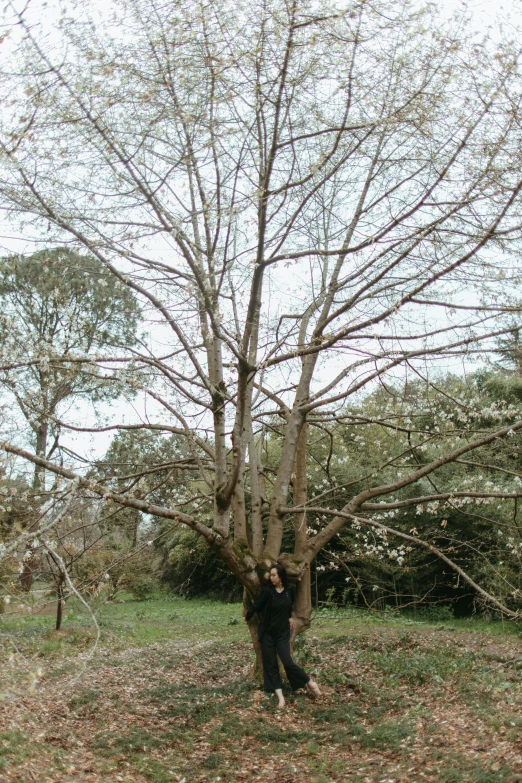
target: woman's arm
<point>291,591</point>
<point>259,603</point>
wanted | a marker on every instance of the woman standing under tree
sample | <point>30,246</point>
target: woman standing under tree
<point>275,601</point>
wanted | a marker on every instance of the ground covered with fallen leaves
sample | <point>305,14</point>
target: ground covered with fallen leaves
<point>402,702</point>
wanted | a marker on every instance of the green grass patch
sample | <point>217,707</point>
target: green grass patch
<point>213,761</point>
<point>173,619</point>
<point>13,748</point>
<point>418,666</point>
<point>126,621</point>
<point>330,619</point>
<point>198,704</point>
<point>138,741</point>
<point>85,698</point>
<point>154,770</point>
<point>385,735</point>
<point>455,769</point>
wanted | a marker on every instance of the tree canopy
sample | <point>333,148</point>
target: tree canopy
<point>60,309</point>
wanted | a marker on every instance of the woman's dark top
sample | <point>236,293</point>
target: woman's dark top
<point>280,612</point>
<point>276,608</point>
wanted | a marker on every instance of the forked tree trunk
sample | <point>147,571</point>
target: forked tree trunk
<point>302,612</point>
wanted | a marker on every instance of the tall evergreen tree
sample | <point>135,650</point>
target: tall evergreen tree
<point>59,310</point>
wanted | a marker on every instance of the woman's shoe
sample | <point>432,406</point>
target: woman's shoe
<point>313,688</point>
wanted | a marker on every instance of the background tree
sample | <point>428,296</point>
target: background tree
<point>457,509</point>
<point>16,512</point>
<point>306,200</point>
<point>86,553</point>
<point>161,467</point>
<point>59,307</point>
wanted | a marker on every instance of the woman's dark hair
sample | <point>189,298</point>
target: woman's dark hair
<point>281,572</point>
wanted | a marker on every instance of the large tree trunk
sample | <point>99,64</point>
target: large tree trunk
<point>253,626</point>
<point>41,451</point>
<point>30,564</point>
<point>59,605</point>
<point>31,560</point>
<point>303,604</point>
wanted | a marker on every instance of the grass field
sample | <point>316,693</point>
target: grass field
<point>168,696</point>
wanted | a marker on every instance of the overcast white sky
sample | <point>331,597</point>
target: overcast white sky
<point>486,13</point>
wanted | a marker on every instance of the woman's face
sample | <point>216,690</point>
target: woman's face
<point>274,577</point>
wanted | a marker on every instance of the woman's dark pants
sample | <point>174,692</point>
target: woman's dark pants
<point>272,645</point>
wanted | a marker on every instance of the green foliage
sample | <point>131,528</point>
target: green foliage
<point>16,513</point>
<point>304,654</point>
<point>386,436</point>
<point>188,566</point>
<point>67,302</point>
<point>434,614</point>
<point>507,388</point>
<point>382,437</point>
<point>113,564</point>
<point>140,581</point>
<point>192,569</point>
<point>58,308</point>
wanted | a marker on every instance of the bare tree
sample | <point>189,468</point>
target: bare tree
<point>304,198</point>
